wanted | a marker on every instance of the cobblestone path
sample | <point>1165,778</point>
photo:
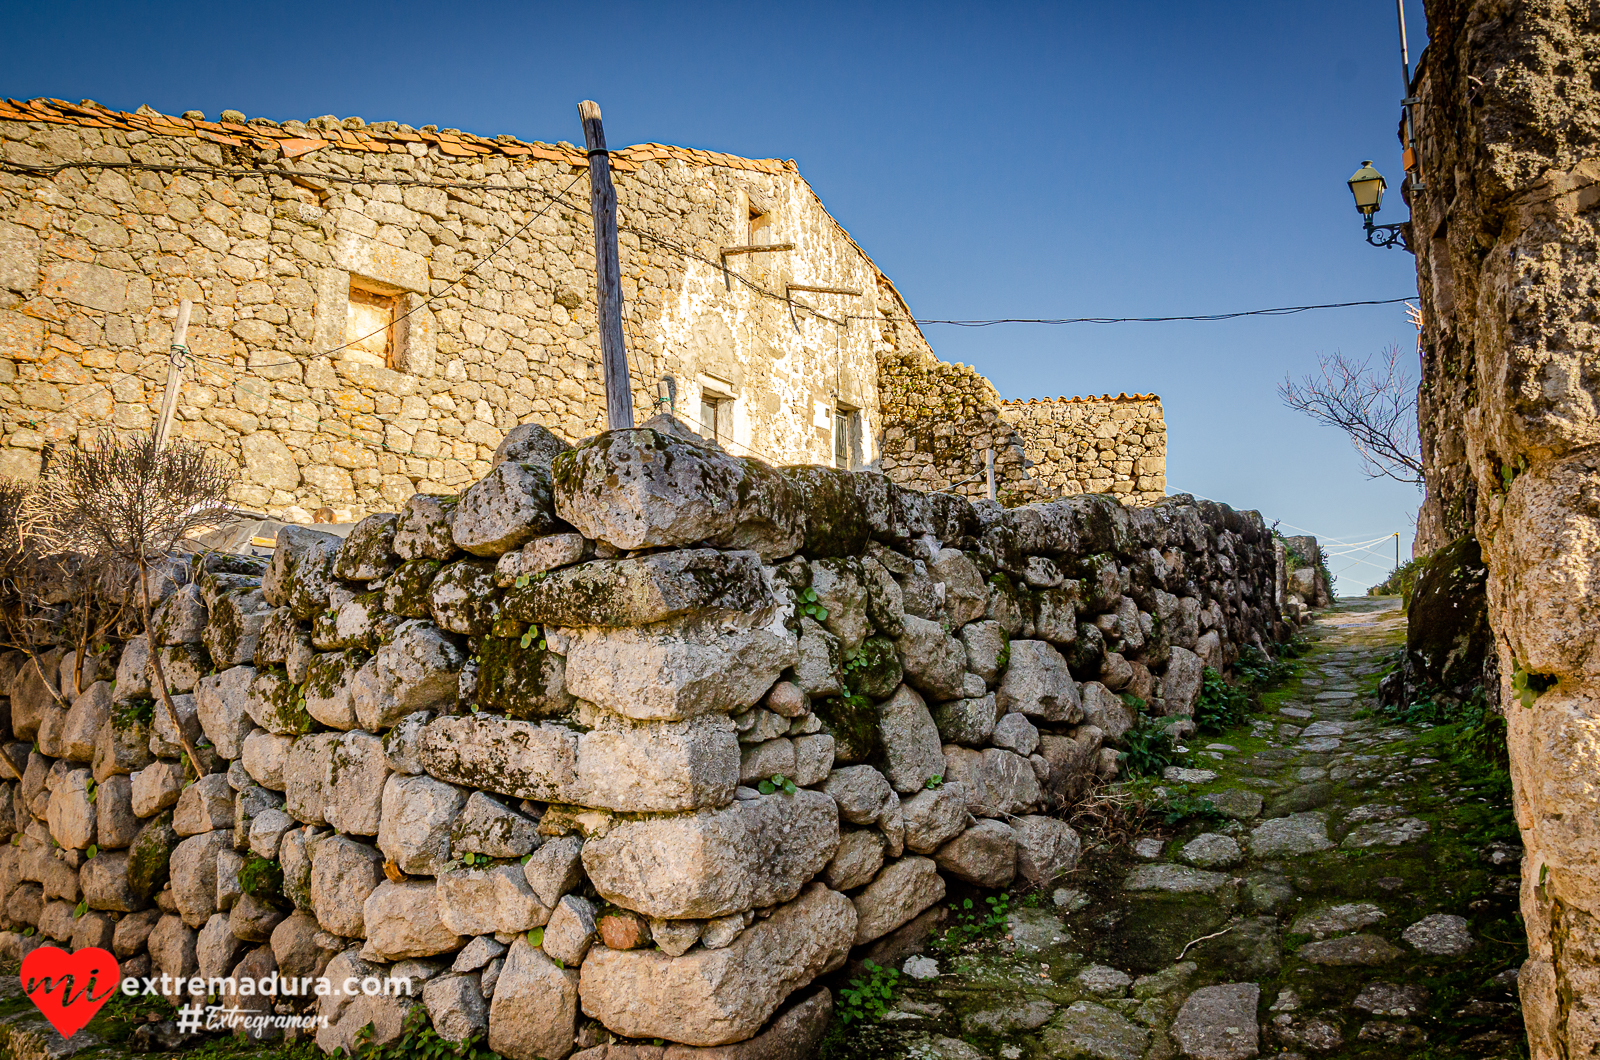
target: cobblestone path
<point>1351,892</point>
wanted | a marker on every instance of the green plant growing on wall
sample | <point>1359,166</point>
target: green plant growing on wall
<point>868,998</point>
<point>1528,686</point>
<point>1221,705</point>
<point>810,605</point>
<point>262,878</point>
<point>1148,749</point>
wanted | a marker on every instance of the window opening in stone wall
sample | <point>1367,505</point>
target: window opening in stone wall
<point>847,438</point>
<point>759,232</point>
<point>714,417</point>
<point>370,325</point>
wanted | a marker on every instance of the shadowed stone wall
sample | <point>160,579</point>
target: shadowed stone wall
<point>1506,242</point>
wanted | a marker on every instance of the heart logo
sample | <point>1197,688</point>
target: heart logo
<point>69,988</point>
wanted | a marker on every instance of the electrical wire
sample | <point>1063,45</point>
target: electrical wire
<point>1282,311</point>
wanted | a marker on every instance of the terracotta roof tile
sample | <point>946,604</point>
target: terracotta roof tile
<point>1080,400</point>
<point>460,145</point>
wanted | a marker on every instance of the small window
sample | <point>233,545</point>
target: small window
<point>713,413</point>
<point>760,231</point>
<point>847,438</point>
<point>370,326</point>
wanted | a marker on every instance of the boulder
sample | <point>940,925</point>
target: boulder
<point>996,781</point>
<point>530,443</point>
<point>521,682</point>
<point>405,592</point>
<point>368,552</point>
<point>416,670</point>
<point>497,900</point>
<point>300,947</point>
<point>680,668</point>
<point>504,509</point>
<point>403,920</point>
<point>715,997</point>
<point>70,815</point>
<point>1038,684</point>
<point>275,705</point>
<point>640,591</point>
<point>858,859</point>
<point>555,868</point>
<point>164,739</point>
<point>343,874</point>
<point>194,876</point>
<point>986,645</point>
<point>1180,685</point>
<point>417,816</point>
<point>535,1009</point>
<point>423,529</point>
<point>204,806</point>
<point>104,880</point>
<point>264,757</point>
<point>934,817</point>
<point>330,681</point>
<point>357,774</point>
<point>966,597</point>
<point>463,598</point>
<point>547,553</point>
<point>180,619</point>
<point>401,743</point>
<point>966,721</point>
<point>658,767</point>
<point>1015,732</point>
<point>456,1007</point>
<point>985,855</point>
<point>751,854</point>
<point>305,777</point>
<point>818,660</point>
<point>220,704</point>
<point>487,826</point>
<point>934,661</point>
<point>648,488</point>
<point>571,930</point>
<point>1219,1022</point>
<point>895,897</point>
<point>860,792</point>
<point>301,572</point>
<point>886,605</point>
<point>508,757</point>
<point>156,787</point>
<point>132,682</point>
<point>233,631</point>
<point>911,746</point>
<point>1105,710</point>
<point>1047,848</point>
<point>89,713</point>
<point>122,747</point>
<point>115,822</point>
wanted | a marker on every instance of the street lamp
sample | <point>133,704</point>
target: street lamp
<point>1367,186</point>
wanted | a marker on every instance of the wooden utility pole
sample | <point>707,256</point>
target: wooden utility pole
<point>175,365</point>
<point>607,270</point>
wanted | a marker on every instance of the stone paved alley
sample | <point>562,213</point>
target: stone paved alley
<point>1355,897</point>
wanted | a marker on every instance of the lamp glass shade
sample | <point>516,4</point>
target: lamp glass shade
<point>1367,185</point>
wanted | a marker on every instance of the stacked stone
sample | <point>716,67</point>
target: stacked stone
<point>1094,445</point>
<point>629,741</point>
<point>938,419</point>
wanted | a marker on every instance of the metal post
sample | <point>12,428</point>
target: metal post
<point>988,470</point>
<point>1397,550</point>
<point>1406,100</point>
<point>607,270</point>
<point>175,365</point>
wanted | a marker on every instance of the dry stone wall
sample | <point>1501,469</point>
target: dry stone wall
<point>1094,445</point>
<point>1506,240</point>
<point>482,247</point>
<point>630,741</point>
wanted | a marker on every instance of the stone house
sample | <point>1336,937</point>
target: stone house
<point>375,305</point>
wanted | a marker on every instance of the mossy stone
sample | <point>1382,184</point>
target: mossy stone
<point>149,856</point>
<point>406,591</point>
<point>852,721</point>
<point>876,670</point>
<point>521,682</point>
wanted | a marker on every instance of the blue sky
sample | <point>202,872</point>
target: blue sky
<point>1033,160</point>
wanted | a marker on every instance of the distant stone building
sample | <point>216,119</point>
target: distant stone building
<point>376,305</point>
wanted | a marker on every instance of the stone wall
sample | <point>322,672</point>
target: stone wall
<point>484,249</point>
<point>1507,243</point>
<point>1094,445</point>
<point>938,420</point>
<point>630,741</point>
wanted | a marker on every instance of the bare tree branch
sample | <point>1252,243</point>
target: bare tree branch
<point>1375,405</point>
<point>127,500</point>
